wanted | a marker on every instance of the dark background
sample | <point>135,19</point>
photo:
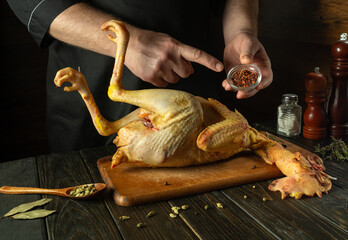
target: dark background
<point>297,35</point>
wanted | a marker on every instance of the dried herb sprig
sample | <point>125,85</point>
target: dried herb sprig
<point>337,150</point>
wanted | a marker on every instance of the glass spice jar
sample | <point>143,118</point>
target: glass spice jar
<point>289,116</point>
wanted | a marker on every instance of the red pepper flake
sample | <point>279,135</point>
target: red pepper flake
<point>244,78</point>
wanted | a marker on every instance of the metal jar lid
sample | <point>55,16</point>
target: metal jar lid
<point>290,97</point>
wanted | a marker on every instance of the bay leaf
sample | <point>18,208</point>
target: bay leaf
<point>40,213</point>
<point>27,206</point>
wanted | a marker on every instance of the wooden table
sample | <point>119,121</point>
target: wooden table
<point>240,217</point>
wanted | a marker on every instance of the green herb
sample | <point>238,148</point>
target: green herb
<point>34,214</point>
<point>337,150</point>
<point>27,206</point>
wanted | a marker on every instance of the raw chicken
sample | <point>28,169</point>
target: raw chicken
<point>175,129</point>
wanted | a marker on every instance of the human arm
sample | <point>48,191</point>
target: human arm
<point>154,57</point>
<point>241,43</point>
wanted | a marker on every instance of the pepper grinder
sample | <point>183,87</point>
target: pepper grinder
<point>315,116</point>
<point>338,104</point>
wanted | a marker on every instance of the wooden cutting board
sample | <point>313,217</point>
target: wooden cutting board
<point>133,185</point>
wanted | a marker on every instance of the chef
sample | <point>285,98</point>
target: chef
<point>174,44</point>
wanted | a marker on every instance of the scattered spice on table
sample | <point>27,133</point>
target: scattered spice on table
<point>150,214</point>
<point>141,225</point>
<point>244,78</point>
<point>219,205</point>
<point>124,218</point>
<point>176,210</point>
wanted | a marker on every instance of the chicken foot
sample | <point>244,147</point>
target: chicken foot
<point>304,176</point>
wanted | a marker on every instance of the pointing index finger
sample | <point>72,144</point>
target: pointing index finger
<point>199,56</point>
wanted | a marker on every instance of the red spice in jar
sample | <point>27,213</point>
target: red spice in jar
<point>244,78</point>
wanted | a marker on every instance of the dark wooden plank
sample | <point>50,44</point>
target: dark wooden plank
<point>229,222</point>
<point>291,218</point>
<point>159,226</point>
<point>21,173</point>
<point>85,219</point>
<point>338,170</point>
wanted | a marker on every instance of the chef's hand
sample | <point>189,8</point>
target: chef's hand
<point>245,48</point>
<point>159,59</point>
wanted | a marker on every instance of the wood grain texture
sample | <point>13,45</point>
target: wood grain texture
<point>229,222</point>
<point>291,218</point>
<point>134,185</point>
<point>21,173</point>
<point>85,219</point>
<point>160,226</point>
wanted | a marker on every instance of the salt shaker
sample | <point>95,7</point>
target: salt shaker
<point>289,116</point>
<point>315,117</point>
<point>338,104</point>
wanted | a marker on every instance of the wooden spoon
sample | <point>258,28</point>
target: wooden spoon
<point>63,192</point>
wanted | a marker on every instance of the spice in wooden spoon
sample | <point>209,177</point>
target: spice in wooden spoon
<point>63,192</point>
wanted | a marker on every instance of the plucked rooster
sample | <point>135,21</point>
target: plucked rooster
<point>175,129</point>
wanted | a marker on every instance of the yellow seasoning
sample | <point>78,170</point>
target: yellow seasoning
<point>150,214</point>
<point>140,225</point>
<point>184,207</point>
<point>219,205</point>
<point>172,215</point>
<point>245,196</point>
<point>206,207</point>
<point>264,199</point>
<point>123,218</point>
<point>176,210</point>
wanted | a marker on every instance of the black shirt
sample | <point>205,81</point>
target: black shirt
<point>69,124</point>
